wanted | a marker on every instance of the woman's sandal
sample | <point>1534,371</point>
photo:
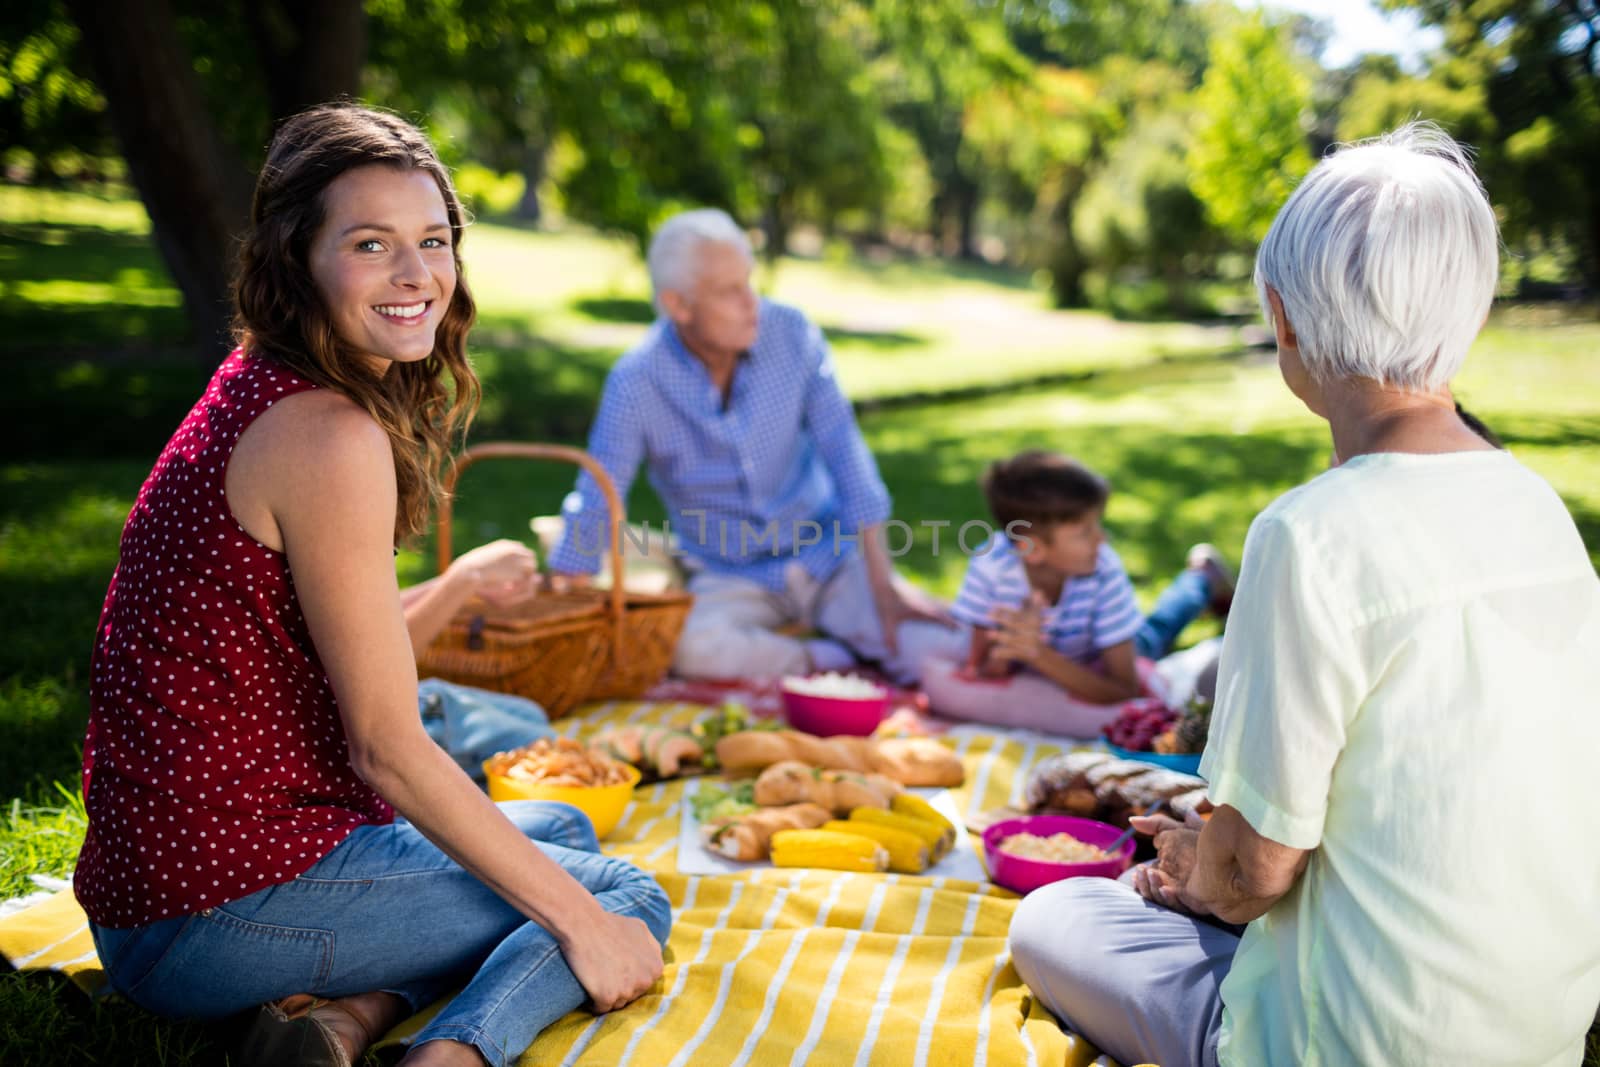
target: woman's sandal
<point>305,1031</point>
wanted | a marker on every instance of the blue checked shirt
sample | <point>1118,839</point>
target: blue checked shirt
<point>781,474</point>
<point>1094,611</point>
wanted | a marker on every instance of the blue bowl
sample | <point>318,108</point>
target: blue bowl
<point>1186,762</point>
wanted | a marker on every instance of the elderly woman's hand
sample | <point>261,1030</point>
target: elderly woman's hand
<point>1164,881</point>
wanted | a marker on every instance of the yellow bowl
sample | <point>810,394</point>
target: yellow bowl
<point>603,804</point>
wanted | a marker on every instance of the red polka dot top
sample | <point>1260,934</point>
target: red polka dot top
<point>215,763</point>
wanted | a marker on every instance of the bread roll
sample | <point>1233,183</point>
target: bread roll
<point>749,837</point>
<point>840,792</point>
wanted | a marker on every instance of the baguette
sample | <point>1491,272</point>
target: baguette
<point>749,751</point>
<point>791,782</point>
<point>917,761</point>
<point>913,761</point>
<point>749,837</point>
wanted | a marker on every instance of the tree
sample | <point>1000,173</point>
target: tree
<point>1084,33</point>
<point>1139,216</point>
<point>48,109</point>
<point>1038,142</point>
<point>194,181</point>
<point>1536,64</point>
<point>935,57</point>
<point>1102,67</point>
<point>1249,147</point>
<point>762,108</point>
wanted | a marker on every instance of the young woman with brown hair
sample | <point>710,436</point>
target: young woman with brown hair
<point>253,729</point>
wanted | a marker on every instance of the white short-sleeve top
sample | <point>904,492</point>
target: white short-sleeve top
<point>1410,687</point>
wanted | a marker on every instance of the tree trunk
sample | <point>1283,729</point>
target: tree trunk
<point>936,214</point>
<point>966,198</point>
<point>311,51</point>
<point>1591,246</point>
<point>195,188</point>
<point>1066,261</point>
<point>775,220</point>
<point>533,164</point>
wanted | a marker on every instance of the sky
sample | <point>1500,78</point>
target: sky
<point>1358,26</point>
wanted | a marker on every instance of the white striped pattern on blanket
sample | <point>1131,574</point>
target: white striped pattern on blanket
<point>772,966</point>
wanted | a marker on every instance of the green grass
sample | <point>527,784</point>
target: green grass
<point>40,838</point>
<point>958,365</point>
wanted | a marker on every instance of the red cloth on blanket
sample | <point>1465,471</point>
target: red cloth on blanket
<point>215,763</point>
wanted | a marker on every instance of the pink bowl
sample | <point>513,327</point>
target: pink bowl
<point>826,716</point>
<point>1024,876</point>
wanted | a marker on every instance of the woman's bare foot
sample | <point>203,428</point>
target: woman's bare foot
<point>443,1054</point>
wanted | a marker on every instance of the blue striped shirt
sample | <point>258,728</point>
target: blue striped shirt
<point>1093,613</point>
<point>779,474</point>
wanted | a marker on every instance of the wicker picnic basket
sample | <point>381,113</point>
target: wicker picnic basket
<point>562,648</point>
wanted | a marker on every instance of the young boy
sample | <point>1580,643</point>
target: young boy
<point>1053,616</point>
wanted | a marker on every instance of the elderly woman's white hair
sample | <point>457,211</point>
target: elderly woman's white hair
<point>674,258</point>
<point>1386,259</point>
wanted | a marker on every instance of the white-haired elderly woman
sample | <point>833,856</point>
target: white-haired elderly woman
<point>731,403</point>
<point>1407,715</point>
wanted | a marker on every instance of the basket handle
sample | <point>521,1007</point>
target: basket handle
<point>559,453</point>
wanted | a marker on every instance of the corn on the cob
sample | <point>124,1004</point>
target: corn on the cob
<point>939,838</point>
<point>824,848</point>
<point>914,806</point>
<point>908,853</point>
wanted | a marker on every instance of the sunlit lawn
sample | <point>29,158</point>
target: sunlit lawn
<point>1194,430</point>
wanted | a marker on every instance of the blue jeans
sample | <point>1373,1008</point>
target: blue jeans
<point>386,910</point>
<point>1178,605</point>
<point>473,724</point>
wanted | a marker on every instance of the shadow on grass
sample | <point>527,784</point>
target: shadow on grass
<point>47,251</point>
<point>54,408</point>
<point>43,269</point>
<point>1162,369</point>
<point>884,265</point>
<point>615,309</point>
<point>637,311</point>
<point>533,389</point>
<point>1546,431</point>
<point>44,727</point>
<point>1171,489</point>
<point>46,1019</point>
<point>881,339</point>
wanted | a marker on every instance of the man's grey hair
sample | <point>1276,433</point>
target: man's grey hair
<point>674,258</point>
<point>1386,259</point>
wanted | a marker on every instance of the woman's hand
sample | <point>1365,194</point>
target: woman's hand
<point>503,572</point>
<point>615,958</point>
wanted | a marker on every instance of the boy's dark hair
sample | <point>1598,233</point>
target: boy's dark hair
<point>1477,426</point>
<point>1042,489</point>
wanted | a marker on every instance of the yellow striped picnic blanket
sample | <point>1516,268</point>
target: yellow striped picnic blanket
<point>771,966</point>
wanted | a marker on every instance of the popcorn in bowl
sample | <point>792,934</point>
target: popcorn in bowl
<point>829,704</point>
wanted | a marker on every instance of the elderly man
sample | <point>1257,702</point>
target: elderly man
<point>732,404</point>
<point>1406,713</point>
